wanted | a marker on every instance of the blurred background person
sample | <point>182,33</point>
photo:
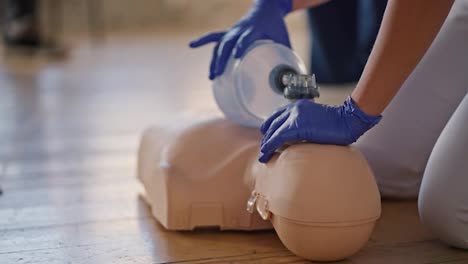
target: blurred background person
<point>21,24</point>
<point>343,34</point>
<point>22,27</point>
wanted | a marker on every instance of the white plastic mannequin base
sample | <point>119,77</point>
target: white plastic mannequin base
<point>322,200</point>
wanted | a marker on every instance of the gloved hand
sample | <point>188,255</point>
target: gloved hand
<point>263,21</point>
<point>305,120</point>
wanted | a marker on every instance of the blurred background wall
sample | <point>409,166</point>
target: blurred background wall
<point>82,22</point>
<point>124,16</point>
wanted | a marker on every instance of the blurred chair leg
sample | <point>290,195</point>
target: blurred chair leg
<point>95,20</point>
<point>53,42</point>
<point>55,20</point>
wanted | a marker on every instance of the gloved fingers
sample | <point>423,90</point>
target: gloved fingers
<point>266,124</point>
<point>244,42</point>
<point>224,52</point>
<point>268,148</point>
<point>214,58</point>
<point>207,38</point>
<point>275,125</point>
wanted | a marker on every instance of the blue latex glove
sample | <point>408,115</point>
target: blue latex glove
<point>305,120</point>
<point>265,20</point>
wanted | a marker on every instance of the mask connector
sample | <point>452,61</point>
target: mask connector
<point>292,85</point>
<point>300,86</point>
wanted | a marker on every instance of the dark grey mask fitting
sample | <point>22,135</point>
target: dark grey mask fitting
<point>292,85</point>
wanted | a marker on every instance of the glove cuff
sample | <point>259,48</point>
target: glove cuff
<point>351,107</point>
<point>284,6</point>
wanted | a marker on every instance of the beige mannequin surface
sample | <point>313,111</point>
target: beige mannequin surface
<point>322,200</point>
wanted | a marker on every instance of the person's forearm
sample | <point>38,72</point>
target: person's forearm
<point>301,4</point>
<point>408,29</point>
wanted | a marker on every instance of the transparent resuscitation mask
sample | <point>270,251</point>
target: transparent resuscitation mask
<point>267,77</point>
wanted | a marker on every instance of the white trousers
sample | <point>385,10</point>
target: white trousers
<point>421,145</point>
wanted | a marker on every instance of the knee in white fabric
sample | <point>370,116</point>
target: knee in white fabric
<point>443,199</point>
<point>447,221</point>
<point>395,178</point>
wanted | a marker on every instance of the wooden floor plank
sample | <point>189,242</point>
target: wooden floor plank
<point>71,178</point>
<point>134,241</point>
<point>53,147</point>
<point>53,215</point>
<point>59,165</point>
<point>121,189</point>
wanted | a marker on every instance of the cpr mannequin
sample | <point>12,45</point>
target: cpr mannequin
<point>322,200</point>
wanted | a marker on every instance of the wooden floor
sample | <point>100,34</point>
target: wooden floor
<point>69,130</point>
